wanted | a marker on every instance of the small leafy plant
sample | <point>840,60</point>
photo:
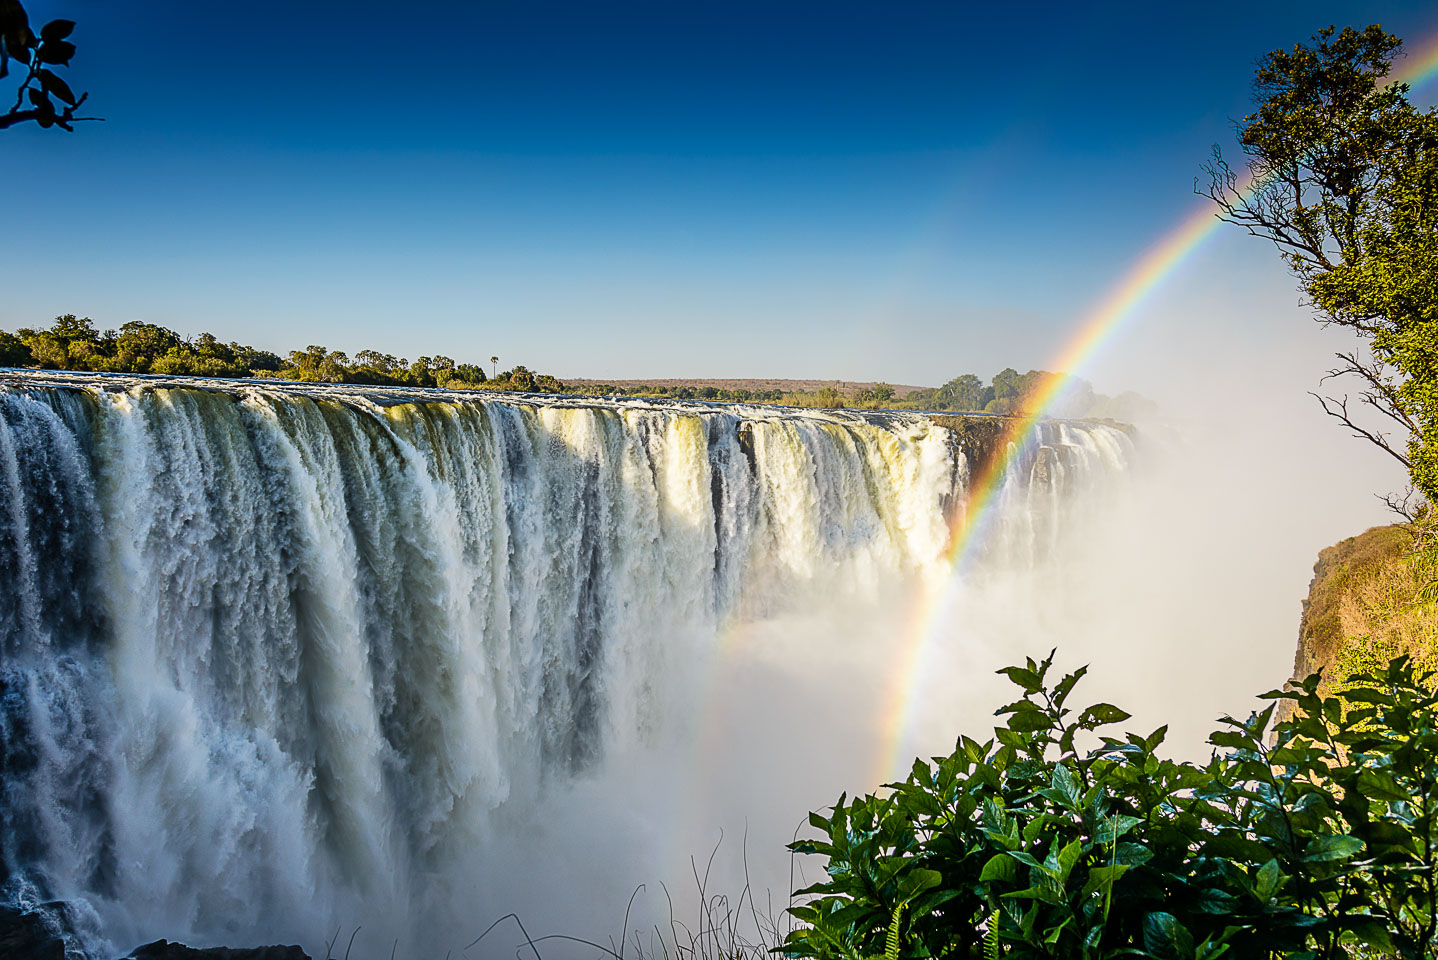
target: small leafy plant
<point>1313,839</point>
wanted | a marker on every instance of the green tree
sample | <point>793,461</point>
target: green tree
<point>521,379</point>
<point>964,392</point>
<point>1344,180</point>
<point>42,96</point>
<point>139,344</point>
<point>13,351</point>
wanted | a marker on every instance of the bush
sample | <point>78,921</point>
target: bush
<point>1314,838</point>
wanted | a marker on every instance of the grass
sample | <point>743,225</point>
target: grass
<point>1366,604</point>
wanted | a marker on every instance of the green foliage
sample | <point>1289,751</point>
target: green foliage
<point>1368,654</point>
<point>73,343</point>
<point>966,392</point>
<point>42,96</point>
<point>1345,175</point>
<point>877,394</point>
<point>1011,393</point>
<point>1313,837</point>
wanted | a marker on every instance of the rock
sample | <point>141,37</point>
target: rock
<point>978,436</point>
<point>165,950</point>
<point>29,936</point>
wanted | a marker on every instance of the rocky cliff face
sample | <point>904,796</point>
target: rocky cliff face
<point>1361,608</point>
<point>978,435</point>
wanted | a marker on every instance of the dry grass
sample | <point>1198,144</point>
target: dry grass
<point>1363,606</point>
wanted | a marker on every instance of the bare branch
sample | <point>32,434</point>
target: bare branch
<point>1338,409</point>
<point>1410,505</point>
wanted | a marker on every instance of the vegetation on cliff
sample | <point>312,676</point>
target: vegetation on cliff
<point>1366,605</point>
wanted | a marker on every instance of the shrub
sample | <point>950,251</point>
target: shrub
<point>1314,838</point>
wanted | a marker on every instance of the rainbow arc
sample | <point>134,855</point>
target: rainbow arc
<point>1098,327</point>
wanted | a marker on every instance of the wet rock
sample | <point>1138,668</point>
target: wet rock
<point>29,936</point>
<point>165,950</point>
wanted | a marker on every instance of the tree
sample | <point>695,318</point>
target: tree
<point>13,351</point>
<point>1344,181</point>
<point>964,392</point>
<point>42,97</point>
<point>494,365</point>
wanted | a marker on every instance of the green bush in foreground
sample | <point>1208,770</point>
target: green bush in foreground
<point>1314,838</point>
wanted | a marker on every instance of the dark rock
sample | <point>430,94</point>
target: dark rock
<point>29,936</point>
<point>165,950</point>
<point>980,437</point>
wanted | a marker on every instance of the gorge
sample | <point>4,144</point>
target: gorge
<point>276,656</point>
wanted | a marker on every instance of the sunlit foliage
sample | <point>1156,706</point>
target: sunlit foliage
<point>1344,174</point>
<point>1313,837</point>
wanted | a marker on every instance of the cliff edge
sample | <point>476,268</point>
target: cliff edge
<point>1361,609</point>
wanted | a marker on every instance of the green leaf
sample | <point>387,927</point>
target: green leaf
<point>917,880</point>
<point>1100,878</point>
<point>1066,685</point>
<point>1268,879</point>
<point>1043,893</point>
<point>1231,739</point>
<point>1026,679</point>
<point>1164,936</point>
<point>1114,827</point>
<point>1133,854</point>
<point>1027,721</point>
<point>1381,785</point>
<point>1100,714</point>
<point>1067,786</point>
<point>1371,931</point>
<point>1067,857</point>
<point>1002,867</point>
<point>1332,847</point>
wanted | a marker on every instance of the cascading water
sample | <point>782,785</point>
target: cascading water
<point>273,654</point>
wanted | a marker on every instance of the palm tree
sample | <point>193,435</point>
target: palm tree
<point>495,362</point>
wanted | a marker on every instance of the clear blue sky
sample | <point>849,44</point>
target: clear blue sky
<point>892,190</point>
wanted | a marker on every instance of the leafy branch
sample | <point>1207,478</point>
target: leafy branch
<point>42,96</point>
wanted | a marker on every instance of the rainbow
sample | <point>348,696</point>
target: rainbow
<point>1099,326</point>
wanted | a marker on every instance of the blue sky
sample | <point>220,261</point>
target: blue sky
<point>902,191</point>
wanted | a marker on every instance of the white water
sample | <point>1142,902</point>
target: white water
<point>278,659</point>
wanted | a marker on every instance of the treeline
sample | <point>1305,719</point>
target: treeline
<point>681,392</point>
<point>73,343</point>
<point>1011,392</point>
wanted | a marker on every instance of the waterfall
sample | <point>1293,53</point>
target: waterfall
<point>272,653</point>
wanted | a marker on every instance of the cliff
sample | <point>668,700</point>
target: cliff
<point>1361,609</point>
<point>978,435</point>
